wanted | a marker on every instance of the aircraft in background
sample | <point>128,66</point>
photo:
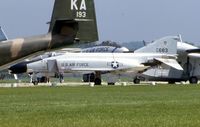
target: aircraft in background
<point>105,49</point>
<point>188,58</point>
<point>162,51</point>
<point>72,21</point>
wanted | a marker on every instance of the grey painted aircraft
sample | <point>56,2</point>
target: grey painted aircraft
<point>72,21</point>
<point>15,69</point>
<point>188,58</point>
<point>162,51</point>
<point>100,48</point>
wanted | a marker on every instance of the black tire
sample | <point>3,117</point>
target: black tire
<point>111,83</point>
<point>35,83</point>
<point>43,79</point>
<point>193,80</point>
<point>88,77</point>
<point>171,82</point>
<point>97,81</point>
<point>92,77</point>
<point>136,81</point>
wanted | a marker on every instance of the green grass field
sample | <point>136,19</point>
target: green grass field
<point>131,106</point>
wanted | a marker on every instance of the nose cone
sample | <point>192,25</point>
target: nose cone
<point>18,68</point>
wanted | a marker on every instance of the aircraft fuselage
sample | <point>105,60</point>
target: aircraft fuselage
<point>12,51</point>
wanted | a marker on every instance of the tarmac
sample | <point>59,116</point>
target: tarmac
<point>10,85</point>
<point>53,84</point>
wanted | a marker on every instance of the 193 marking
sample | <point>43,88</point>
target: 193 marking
<point>81,14</point>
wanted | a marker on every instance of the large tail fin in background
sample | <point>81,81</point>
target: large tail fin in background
<point>166,45</point>
<point>70,12</point>
<point>3,36</point>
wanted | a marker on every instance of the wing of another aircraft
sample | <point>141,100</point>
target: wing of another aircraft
<point>194,55</point>
<point>193,51</point>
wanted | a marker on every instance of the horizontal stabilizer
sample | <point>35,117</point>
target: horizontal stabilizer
<point>170,62</point>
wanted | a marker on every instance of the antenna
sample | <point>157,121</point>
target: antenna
<point>180,37</point>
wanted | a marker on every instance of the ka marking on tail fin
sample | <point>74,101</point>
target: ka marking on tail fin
<point>81,12</point>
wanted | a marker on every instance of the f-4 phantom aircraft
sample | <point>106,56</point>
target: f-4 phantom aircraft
<point>162,51</point>
<point>97,48</point>
<point>188,58</point>
<point>72,21</point>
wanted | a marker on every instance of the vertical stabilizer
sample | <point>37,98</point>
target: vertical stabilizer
<point>166,45</point>
<point>80,11</point>
<point>3,36</point>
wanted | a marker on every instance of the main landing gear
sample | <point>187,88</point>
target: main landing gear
<point>136,80</point>
<point>193,80</point>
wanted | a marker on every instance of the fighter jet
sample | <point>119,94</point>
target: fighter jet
<point>162,51</point>
<point>100,48</point>
<point>72,21</point>
<point>188,58</point>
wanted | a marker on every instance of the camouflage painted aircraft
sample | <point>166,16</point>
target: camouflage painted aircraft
<point>72,21</point>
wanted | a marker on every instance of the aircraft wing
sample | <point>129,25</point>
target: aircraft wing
<point>193,51</point>
<point>170,62</point>
<point>194,55</point>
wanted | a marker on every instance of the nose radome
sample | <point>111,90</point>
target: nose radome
<point>18,68</point>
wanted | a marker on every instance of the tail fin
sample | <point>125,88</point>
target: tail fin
<point>3,36</point>
<point>81,11</point>
<point>166,45</point>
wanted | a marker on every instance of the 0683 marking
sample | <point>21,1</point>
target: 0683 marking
<point>162,50</point>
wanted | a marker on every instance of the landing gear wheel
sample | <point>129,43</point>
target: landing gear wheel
<point>97,81</point>
<point>88,77</point>
<point>193,80</point>
<point>171,82</point>
<point>136,81</point>
<point>111,83</point>
<point>44,79</point>
<point>35,83</point>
